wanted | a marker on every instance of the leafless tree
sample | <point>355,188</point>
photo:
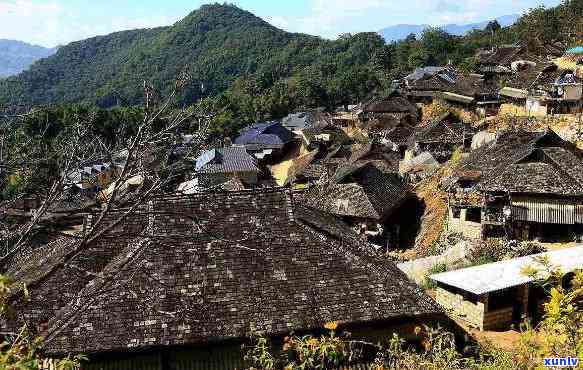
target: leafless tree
<point>146,160</point>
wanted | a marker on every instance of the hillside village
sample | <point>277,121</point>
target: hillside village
<point>423,205</point>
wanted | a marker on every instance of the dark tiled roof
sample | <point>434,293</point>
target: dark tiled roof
<point>392,104</point>
<point>443,131</point>
<point>532,177</point>
<point>211,267</point>
<point>501,56</point>
<point>530,162</point>
<point>360,190</point>
<point>226,160</point>
<point>270,135</point>
<point>398,135</point>
<point>457,83</point>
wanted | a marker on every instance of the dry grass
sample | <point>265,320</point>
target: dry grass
<point>434,218</point>
<point>433,111</point>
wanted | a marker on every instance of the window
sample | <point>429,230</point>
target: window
<point>474,215</point>
<point>456,212</point>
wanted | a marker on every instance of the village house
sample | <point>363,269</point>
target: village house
<point>92,178</point>
<point>440,138</point>
<point>219,165</point>
<point>397,138</point>
<point>523,185</point>
<point>265,141</point>
<point>505,59</point>
<point>497,295</point>
<point>385,113</point>
<point>416,88</point>
<point>297,122</point>
<point>185,280</point>
<point>365,197</point>
<point>471,92</point>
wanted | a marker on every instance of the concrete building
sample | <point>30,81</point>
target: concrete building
<point>497,295</point>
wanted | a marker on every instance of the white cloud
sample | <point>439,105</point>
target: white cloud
<point>48,23</point>
<point>329,18</point>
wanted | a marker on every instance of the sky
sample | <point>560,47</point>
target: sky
<point>58,22</point>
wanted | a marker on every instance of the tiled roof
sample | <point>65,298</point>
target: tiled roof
<point>530,162</point>
<point>443,131</point>
<point>392,104</point>
<point>360,190</point>
<point>212,267</point>
<point>226,160</point>
<point>470,85</point>
<point>269,135</point>
<point>398,135</point>
<point>305,120</point>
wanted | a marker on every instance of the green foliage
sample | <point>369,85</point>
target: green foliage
<point>216,44</point>
<point>23,351</point>
<point>435,269</point>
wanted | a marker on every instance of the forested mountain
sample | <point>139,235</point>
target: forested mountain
<point>257,70</point>
<point>216,44</point>
<point>16,56</point>
<point>401,31</point>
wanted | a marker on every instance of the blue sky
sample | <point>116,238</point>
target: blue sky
<point>54,22</point>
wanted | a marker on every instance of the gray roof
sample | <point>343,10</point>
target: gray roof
<point>506,274</point>
<point>226,160</point>
<point>360,190</point>
<point>303,120</point>
<point>215,267</point>
<point>527,162</point>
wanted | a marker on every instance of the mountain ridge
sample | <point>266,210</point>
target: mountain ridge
<point>16,56</point>
<point>217,42</point>
<point>401,31</point>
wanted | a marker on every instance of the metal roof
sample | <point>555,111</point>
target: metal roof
<point>506,274</point>
<point>513,93</point>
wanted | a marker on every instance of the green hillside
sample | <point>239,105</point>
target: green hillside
<point>217,43</point>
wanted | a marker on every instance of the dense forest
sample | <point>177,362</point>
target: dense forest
<point>250,71</point>
<point>222,47</point>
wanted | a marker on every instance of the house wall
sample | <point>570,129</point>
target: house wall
<point>481,314</point>
<point>461,225</point>
<point>459,307</point>
<point>534,107</point>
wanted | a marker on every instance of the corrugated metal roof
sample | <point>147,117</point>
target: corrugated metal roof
<point>506,274</point>
<point>514,93</point>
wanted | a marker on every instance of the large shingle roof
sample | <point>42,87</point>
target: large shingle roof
<point>443,131</point>
<point>212,267</point>
<point>360,190</point>
<point>527,162</point>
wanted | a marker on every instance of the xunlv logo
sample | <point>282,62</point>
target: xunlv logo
<point>562,362</point>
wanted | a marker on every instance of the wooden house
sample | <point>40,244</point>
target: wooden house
<point>386,113</point>
<point>440,138</point>
<point>184,281</point>
<point>217,166</point>
<point>523,185</point>
<point>365,197</point>
<point>265,141</point>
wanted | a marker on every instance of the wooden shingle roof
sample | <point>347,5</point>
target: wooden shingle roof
<point>212,267</point>
<point>528,162</point>
<point>360,190</point>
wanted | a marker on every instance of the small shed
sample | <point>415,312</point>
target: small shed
<point>496,295</point>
